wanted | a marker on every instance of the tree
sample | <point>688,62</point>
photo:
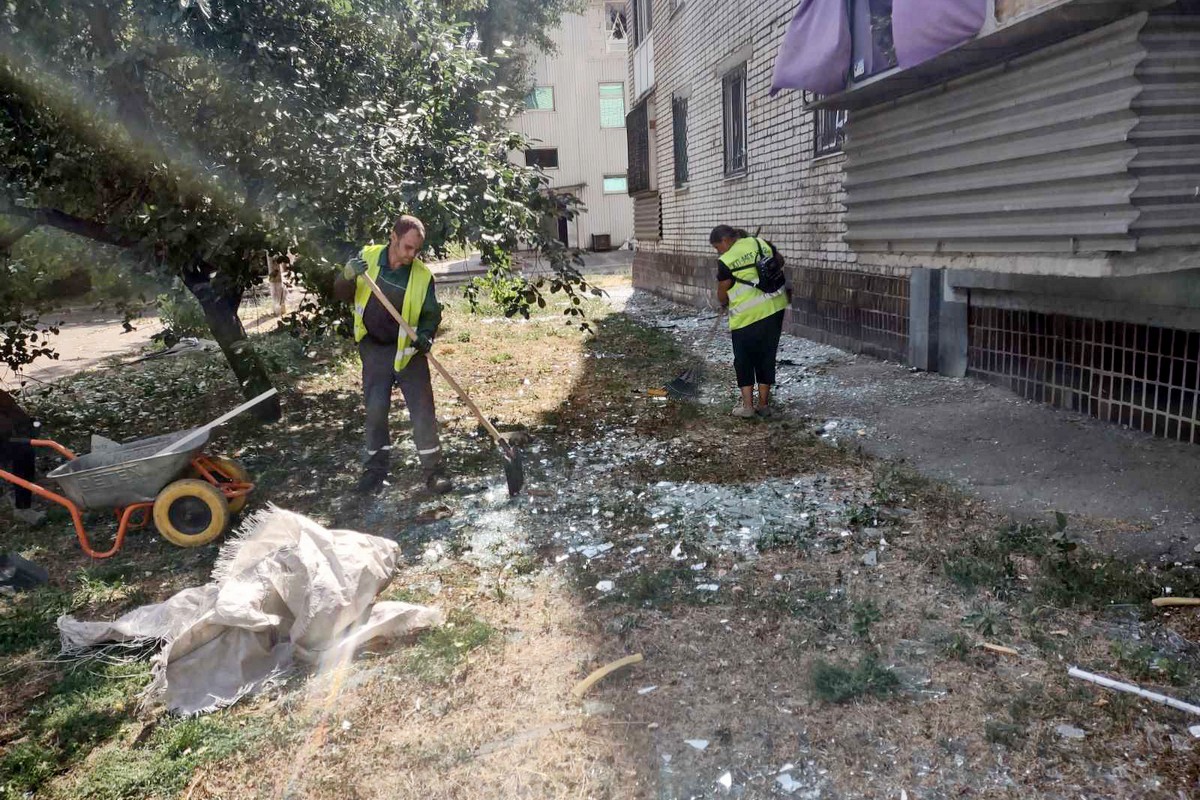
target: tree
<point>199,134</point>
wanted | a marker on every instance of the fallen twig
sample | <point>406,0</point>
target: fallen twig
<point>591,680</point>
<point>996,648</point>
<point>1175,601</point>
<point>1118,686</point>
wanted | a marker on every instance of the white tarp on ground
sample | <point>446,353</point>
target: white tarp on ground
<point>286,591</point>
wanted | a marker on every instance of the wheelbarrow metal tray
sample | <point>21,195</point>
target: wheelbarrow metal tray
<point>123,475</point>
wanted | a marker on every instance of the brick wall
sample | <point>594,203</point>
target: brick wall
<point>796,199</point>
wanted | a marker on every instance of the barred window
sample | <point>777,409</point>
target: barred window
<point>679,130</point>
<point>829,127</point>
<point>734,112</point>
<point>637,133</point>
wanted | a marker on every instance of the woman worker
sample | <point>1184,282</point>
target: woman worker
<point>755,316</point>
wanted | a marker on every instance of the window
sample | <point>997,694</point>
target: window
<point>873,48</point>
<point>612,105</point>
<point>616,184</point>
<point>734,111</point>
<point>616,27</point>
<point>637,134</point>
<point>543,158</point>
<point>540,99</point>
<point>679,130</point>
<point>643,20</point>
<point>830,130</point>
<point>829,127</point>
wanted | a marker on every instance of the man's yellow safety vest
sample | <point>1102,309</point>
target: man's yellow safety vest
<point>419,280</point>
<point>748,304</point>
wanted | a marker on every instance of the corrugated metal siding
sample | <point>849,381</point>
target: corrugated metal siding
<point>1168,134</point>
<point>647,218</point>
<point>1031,157</point>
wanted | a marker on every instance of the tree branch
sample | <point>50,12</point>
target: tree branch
<point>87,228</point>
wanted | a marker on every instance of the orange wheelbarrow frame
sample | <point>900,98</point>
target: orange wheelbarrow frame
<point>136,515</point>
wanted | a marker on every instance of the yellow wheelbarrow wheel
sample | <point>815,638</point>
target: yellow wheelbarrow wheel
<point>228,470</point>
<point>191,513</point>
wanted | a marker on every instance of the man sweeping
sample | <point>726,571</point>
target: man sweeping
<point>389,358</point>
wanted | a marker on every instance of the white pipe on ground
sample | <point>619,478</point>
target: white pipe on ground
<point>1118,686</point>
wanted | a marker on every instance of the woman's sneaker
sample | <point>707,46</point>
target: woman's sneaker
<point>765,411</point>
<point>744,413</point>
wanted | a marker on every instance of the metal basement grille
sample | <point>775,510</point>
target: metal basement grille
<point>1140,376</point>
<point>866,312</point>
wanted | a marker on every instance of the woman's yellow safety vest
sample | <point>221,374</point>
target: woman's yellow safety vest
<point>748,304</point>
<point>419,280</point>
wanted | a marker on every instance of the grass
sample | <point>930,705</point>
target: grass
<point>660,588</point>
<point>439,652</point>
<point>1003,733</point>
<point>1144,663</point>
<point>1062,573</point>
<point>163,765</point>
<point>863,615</point>
<point>88,707</point>
<point>987,620</point>
<point>27,623</point>
<point>838,683</point>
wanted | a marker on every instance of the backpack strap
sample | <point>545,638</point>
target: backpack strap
<point>757,261</point>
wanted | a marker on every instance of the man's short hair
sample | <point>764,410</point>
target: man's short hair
<point>408,223</point>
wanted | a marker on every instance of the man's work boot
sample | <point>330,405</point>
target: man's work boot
<point>374,474</point>
<point>29,516</point>
<point>437,481</point>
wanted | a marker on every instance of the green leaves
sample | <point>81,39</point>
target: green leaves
<point>208,131</point>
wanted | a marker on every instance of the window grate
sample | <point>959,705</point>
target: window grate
<point>679,130</point>
<point>1140,376</point>
<point>829,127</point>
<point>637,134</point>
<point>734,105</point>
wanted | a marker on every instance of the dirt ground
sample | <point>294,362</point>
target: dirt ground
<point>811,618</point>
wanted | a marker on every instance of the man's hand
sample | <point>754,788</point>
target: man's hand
<point>354,267</point>
<point>424,343</point>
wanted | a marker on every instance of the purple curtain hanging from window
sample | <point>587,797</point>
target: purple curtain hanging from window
<point>815,54</point>
<point>926,28</point>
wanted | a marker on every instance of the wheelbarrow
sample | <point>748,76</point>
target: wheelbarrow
<point>189,496</point>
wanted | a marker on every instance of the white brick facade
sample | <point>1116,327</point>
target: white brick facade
<point>795,198</point>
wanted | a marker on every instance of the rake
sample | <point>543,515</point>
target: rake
<point>686,385</point>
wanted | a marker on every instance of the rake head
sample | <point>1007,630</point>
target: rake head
<point>686,386</point>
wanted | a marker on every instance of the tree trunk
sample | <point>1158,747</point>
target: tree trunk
<point>220,304</point>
